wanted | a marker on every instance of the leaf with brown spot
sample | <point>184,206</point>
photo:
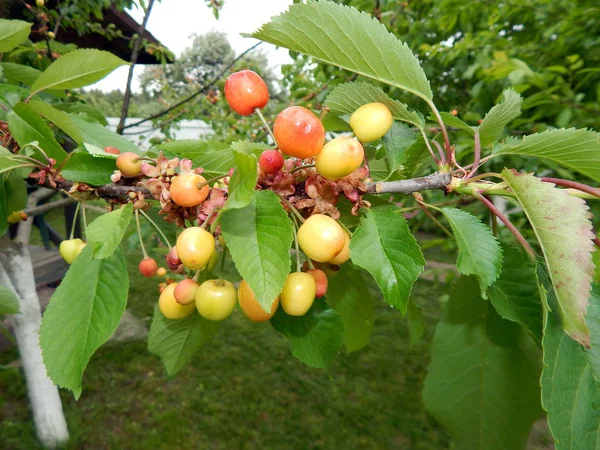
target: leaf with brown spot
<point>563,229</point>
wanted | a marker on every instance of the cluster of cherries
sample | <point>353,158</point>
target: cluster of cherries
<point>310,180</point>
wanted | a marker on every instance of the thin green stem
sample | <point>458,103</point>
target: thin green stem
<point>345,228</point>
<point>424,206</point>
<point>294,210</point>
<point>207,182</point>
<point>17,167</point>
<point>157,228</point>
<point>298,266</point>
<point>75,217</point>
<point>208,218</point>
<point>37,147</point>
<point>306,166</point>
<point>438,117</point>
<point>139,230</point>
<point>258,111</point>
<point>84,217</point>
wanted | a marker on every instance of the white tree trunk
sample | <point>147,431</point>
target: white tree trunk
<point>16,273</point>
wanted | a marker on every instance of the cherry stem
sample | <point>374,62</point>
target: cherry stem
<point>75,217</point>
<point>139,230</point>
<point>477,157</point>
<point>306,166</point>
<point>260,114</point>
<point>208,218</point>
<point>197,275</point>
<point>494,221</point>
<point>481,177</point>
<point>28,159</point>
<point>483,161</point>
<point>64,161</point>
<point>294,210</point>
<point>144,158</point>
<point>345,228</point>
<point>311,266</point>
<point>37,147</point>
<point>298,266</point>
<point>574,185</point>
<point>207,182</point>
<point>17,167</point>
<point>419,198</point>
<point>156,227</point>
<point>449,150</point>
<point>507,223</point>
<point>84,218</point>
<point>440,151</point>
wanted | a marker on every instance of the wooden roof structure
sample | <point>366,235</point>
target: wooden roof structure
<point>119,46</point>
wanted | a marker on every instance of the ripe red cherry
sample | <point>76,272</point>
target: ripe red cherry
<point>245,91</point>
<point>148,267</point>
<point>299,132</point>
<point>320,280</point>
<point>173,260</point>
<point>270,161</point>
<point>112,150</point>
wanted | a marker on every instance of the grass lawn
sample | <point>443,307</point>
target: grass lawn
<point>244,391</point>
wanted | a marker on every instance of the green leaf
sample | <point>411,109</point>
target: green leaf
<point>563,229</point>
<point>479,252</point>
<point>483,379</point>
<point>19,73</point>
<point>315,337</point>
<point>259,237</point>
<point>6,162</point>
<point>13,33</point>
<point>85,168</point>
<point>333,122</point>
<point>83,108</point>
<point>105,234</point>
<point>348,97</point>
<point>77,69</point>
<point>515,294</point>
<point>59,118</point>
<point>593,320</point>
<point>576,149</point>
<point>176,341</point>
<point>27,126</point>
<point>83,313</point>
<point>243,181</point>
<point>417,155</point>
<point>450,120</point>
<point>570,386</point>
<point>397,142</point>
<point>499,116</point>
<point>352,40</point>
<point>349,295</point>
<point>215,157</point>
<point>384,246</point>
<point>9,303</point>
<point>99,136</point>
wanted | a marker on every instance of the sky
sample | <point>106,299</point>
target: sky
<point>172,22</point>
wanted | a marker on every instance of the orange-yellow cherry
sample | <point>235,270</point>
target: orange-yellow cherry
<point>170,308</point>
<point>339,158</point>
<point>188,189</point>
<point>371,121</point>
<point>250,306</point>
<point>298,293</point>
<point>245,91</point>
<point>129,164</point>
<point>195,247</point>
<point>321,238</point>
<point>344,255</point>
<point>320,281</point>
<point>299,132</point>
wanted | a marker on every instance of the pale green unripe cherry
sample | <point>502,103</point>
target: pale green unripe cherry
<point>371,121</point>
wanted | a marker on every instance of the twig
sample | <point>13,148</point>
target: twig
<point>507,223</point>
<point>573,185</point>
<point>195,94</point>
<point>447,145</point>
<point>134,56</point>
<point>477,157</point>
<point>434,181</point>
<point>157,228</point>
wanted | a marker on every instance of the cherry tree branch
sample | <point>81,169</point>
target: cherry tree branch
<point>436,180</point>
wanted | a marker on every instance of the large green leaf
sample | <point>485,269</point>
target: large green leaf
<point>27,126</point>
<point>315,337</point>
<point>77,69</point>
<point>397,142</point>
<point>479,252</point>
<point>59,118</point>
<point>576,149</point>
<point>83,313</point>
<point>570,385</point>
<point>86,168</point>
<point>450,120</point>
<point>95,134</point>
<point>483,379</point>
<point>243,180</point>
<point>259,237</point>
<point>384,246</point>
<point>176,341</point>
<point>348,97</point>
<point>344,37</point>
<point>83,108</point>
<point>105,233</point>
<point>349,295</point>
<point>515,293</point>
<point>13,33</point>
<point>9,303</point>
<point>19,73</point>
<point>215,157</point>
<point>563,229</point>
<point>13,196</point>
<point>499,116</point>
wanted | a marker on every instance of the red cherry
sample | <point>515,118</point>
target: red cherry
<point>270,161</point>
<point>320,280</point>
<point>299,132</point>
<point>173,261</point>
<point>245,91</point>
<point>112,150</point>
<point>148,267</point>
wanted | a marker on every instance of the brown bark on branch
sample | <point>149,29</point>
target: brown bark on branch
<point>434,181</point>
